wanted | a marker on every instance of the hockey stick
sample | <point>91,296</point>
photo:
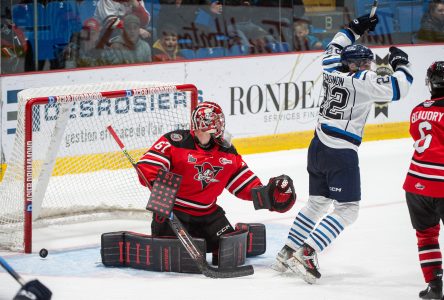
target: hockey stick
<point>11,271</point>
<point>374,7</point>
<point>182,234</point>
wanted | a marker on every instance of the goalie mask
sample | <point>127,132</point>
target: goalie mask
<point>435,79</point>
<point>208,117</point>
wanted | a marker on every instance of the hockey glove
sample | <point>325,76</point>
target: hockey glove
<point>363,23</point>
<point>33,290</point>
<point>397,57</point>
<point>278,195</point>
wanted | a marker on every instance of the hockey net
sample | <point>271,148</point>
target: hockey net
<point>65,166</point>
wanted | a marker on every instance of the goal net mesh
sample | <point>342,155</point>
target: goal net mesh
<point>74,166</point>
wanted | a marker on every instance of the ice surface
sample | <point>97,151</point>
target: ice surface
<point>375,258</point>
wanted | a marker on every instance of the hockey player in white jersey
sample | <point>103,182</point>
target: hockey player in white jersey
<point>350,88</point>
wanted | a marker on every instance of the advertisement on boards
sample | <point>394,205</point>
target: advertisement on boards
<point>260,95</point>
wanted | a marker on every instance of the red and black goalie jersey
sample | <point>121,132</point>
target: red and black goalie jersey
<point>205,173</point>
<point>426,173</point>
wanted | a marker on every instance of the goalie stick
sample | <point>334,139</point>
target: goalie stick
<point>182,234</point>
<point>11,271</point>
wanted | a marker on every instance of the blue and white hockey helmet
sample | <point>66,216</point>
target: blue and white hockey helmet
<point>357,54</point>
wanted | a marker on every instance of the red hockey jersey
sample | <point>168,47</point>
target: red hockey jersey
<point>426,172</point>
<point>205,173</point>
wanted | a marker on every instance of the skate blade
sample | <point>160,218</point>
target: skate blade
<point>279,267</point>
<point>298,268</point>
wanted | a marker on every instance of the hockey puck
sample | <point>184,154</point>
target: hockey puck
<point>43,253</point>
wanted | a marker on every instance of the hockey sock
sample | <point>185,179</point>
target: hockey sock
<point>306,220</point>
<point>326,232</point>
<point>344,214</point>
<point>430,256</point>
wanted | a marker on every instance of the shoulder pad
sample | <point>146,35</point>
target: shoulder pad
<point>180,139</point>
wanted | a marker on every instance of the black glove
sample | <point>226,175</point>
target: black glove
<point>397,57</point>
<point>278,195</point>
<point>363,23</point>
<point>33,290</point>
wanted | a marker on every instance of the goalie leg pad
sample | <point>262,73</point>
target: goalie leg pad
<point>139,251</point>
<point>256,239</point>
<point>232,249</point>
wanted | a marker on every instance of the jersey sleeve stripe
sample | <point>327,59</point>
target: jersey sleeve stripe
<point>407,74</point>
<point>330,70</point>
<point>236,176</point>
<point>331,61</point>
<point>157,156</point>
<point>349,34</point>
<point>395,87</point>
<point>153,163</point>
<point>244,184</point>
<point>336,45</point>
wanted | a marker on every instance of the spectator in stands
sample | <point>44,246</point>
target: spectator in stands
<point>128,48</point>
<point>14,47</point>
<point>210,24</point>
<point>432,23</point>
<point>166,47</point>
<point>302,39</point>
<point>243,29</point>
<point>108,11</point>
<point>259,40</point>
<point>180,14</point>
<point>82,51</point>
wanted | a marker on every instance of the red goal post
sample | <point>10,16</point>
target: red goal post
<point>62,154</point>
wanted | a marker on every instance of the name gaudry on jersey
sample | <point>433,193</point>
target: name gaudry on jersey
<point>426,172</point>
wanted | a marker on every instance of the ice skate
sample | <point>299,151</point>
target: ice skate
<point>434,289</point>
<point>280,263</point>
<point>304,262</point>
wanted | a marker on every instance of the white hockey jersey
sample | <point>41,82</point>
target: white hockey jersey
<point>348,97</point>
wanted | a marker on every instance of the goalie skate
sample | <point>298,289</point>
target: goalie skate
<point>302,262</point>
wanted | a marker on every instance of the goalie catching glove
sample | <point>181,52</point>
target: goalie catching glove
<point>278,195</point>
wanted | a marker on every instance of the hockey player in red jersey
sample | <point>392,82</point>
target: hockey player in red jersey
<point>208,164</point>
<point>424,184</point>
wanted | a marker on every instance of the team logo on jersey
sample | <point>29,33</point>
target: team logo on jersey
<point>419,186</point>
<point>191,159</point>
<point>225,161</point>
<point>176,137</point>
<point>206,173</point>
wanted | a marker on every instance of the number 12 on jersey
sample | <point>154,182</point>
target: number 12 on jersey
<point>335,101</point>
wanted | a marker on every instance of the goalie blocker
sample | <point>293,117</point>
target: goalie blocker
<point>166,254</point>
